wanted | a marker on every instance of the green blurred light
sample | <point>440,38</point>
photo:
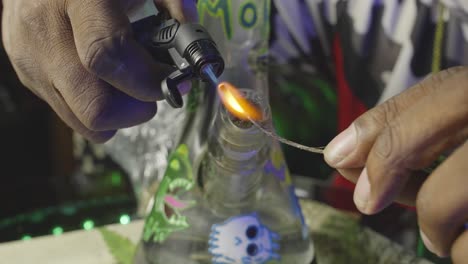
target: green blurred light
<point>124,219</point>
<point>26,237</point>
<point>68,210</point>
<point>116,178</point>
<point>88,224</point>
<point>57,230</point>
<point>37,216</point>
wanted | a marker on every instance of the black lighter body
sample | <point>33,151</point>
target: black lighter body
<point>188,47</point>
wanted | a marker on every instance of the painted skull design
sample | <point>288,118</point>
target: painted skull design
<point>243,240</point>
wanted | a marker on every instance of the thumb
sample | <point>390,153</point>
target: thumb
<point>351,147</point>
<point>182,10</point>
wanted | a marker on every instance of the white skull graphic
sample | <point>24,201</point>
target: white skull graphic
<point>243,240</point>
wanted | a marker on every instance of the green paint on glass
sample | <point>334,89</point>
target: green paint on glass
<point>219,9</point>
<point>124,219</point>
<point>193,97</point>
<point>266,18</point>
<point>265,26</point>
<point>166,215</point>
<point>175,165</point>
<point>248,15</point>
<point>88,224</point>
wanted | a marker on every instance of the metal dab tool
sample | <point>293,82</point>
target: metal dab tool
<point>318,150</point>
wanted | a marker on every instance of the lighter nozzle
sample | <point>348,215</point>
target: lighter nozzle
<point>209,75</point>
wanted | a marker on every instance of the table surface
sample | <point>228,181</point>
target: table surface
<point>337,236</point>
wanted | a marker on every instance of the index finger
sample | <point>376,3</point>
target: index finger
<point>414,139</point>
<point>106,48</point>
<point>350,149</point>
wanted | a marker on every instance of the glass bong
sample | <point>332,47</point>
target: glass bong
<point>226,195</point>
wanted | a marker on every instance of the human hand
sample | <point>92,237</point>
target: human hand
<point>81,58</point>
<point>385,149</point>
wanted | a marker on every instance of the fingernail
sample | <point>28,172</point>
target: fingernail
<point>362,192</point>
<point>340,147</point>
<point>428,243</point>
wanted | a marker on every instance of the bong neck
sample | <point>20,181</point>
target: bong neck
<point>233,166</point>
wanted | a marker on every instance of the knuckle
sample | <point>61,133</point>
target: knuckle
<point>26,81</point>
<point>97,53</point>
<point>32,16</point>
<point>26,70</point>
<point>388,143</point>
<point>372,122</point>
<point>40,21</point>
<point>388,111</point>
<point>379,116</point>
<point>365,125</point>
<point>93,114</point>
<point>102,54</point>
<point>19,61</point>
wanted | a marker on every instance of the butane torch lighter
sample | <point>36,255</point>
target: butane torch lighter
<point>188,47</point>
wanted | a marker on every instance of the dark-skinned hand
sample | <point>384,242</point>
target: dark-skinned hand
<point>81,58</point>
<point>386,148</point>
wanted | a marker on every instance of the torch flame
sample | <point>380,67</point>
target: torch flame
<point>236,104</point>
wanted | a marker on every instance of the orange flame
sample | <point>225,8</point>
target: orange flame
<point>236,104</point>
